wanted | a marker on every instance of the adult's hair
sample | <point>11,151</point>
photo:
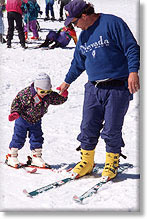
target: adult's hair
<point>88,10</point>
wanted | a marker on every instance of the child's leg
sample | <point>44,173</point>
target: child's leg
<point>18,140</point>
<point>26,31</point>
<point>36,141</point>
<point>56,45</point>
<point>63,39</point>
<point>50,38</point>
<point>25,27</point>
<point>33,28</point>
<point>20,133</point>
<point>36,136</point>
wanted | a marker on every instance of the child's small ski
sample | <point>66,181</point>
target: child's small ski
<point>23,166</point>
<point>103,180</point>
<point>34,170</point>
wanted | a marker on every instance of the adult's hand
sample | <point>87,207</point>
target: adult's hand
<point>64,86</point>
<point>133,82</point>
<point>64,94</point>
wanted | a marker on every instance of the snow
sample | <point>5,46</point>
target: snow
<point>61,125</point>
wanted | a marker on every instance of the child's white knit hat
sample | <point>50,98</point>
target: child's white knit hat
<point>43,82</point>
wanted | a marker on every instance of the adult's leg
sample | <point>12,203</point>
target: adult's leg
<point>115,110</point>
<point>19,27</point>
<point>10,17</point>
<point>92,121</point>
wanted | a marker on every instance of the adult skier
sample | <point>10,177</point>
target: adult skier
<point>2,9</point>
<point>109,53</point>
<point>49,7</point>
<point>62,5</point>
<point>14,13</point>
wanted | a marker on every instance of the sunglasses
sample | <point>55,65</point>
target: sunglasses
<point>45,91</point>
<point>76,21</point>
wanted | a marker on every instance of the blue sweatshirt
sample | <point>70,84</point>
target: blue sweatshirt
<point>107,49</point>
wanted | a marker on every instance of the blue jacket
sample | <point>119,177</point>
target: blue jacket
<point>33,11</point>
<point>107,49</point>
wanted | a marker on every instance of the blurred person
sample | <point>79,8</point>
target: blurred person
<point>60,38</point>
<point>2,9</point>
<point>49,7</point>
<point>14,13</point>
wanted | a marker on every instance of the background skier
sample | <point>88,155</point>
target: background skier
<point>14,13</point>
<point>2,8</point>
<point>49,7</point>
<point>31,10</point>
<point>62,4</point>
<point>61,38</point>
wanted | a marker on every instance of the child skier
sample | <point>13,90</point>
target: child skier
<point>27,109</point>
<point>2,8</point>
<point>60,38</point>
<point>31,10</point>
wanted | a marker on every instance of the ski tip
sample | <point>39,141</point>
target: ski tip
<point>130,165</point>
<point>26,193</point>
<point>32,171</point>
<point>77,199</point>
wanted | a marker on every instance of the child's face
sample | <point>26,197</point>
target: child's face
<point>42,93</point>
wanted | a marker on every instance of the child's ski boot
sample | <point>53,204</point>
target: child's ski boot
<point>11,158</point>
<point>37,159</point>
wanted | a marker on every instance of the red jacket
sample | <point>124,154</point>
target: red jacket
<point>14,5</point>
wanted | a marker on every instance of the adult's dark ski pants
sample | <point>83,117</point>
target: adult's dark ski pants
<point>103,115</point>
<point>14,16</point>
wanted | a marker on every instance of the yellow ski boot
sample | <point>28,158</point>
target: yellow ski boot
<point>111,165</point>
<point>85,166</point>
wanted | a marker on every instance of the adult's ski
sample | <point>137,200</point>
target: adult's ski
<point>103,180</point>
<point>48,187</point>
<point>72,176</point>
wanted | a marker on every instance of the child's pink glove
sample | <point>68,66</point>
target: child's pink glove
<point>13,116</point>
<point>64,94</point>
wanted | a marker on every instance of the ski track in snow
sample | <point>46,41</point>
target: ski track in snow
<point>61,125</point>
